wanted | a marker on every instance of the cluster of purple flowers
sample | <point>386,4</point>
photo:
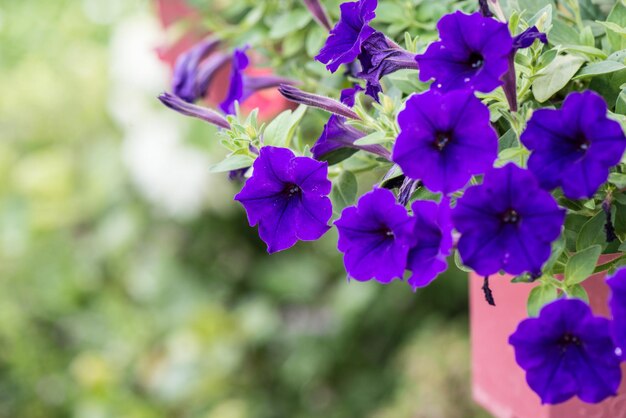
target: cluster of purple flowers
<point>506,221</point>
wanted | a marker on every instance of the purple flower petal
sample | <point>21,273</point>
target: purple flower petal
<point>344,42</point>
<point>508,223</point>
<point>567,352</point>
<point>473,53</point>
<point>287,197</point>
<point>574,147</point>
<point>185,78</point>
<point>375,237</point>
<point>445,139</point>
<point>617,303</point>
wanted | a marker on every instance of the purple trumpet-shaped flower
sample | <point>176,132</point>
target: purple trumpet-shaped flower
<point>375,237</point>
<point>381,56</point>
<point>337,141</point>
<point>287,196</point>
<point>566,352</point>
<point>617,303</point>
<point>507,223</point>
<point>318,12</point>
<point>445,139</point>
<point>185,81</point>
<point>321,102</point>
<point>344,42</point>
<point>243,86</point>
<point>433,242</point>
<point>574,147</point>
<point>473,53</point>
<point>188,109</point>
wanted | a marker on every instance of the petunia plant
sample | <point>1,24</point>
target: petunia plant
<point>495,132</point>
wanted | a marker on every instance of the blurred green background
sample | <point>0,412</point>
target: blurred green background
<point>131,285</point>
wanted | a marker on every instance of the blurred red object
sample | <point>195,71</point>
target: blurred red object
<point>270,102</point>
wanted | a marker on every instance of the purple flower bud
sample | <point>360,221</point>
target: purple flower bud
<point>381,56</point>
<point>483,6</point>
<point>526,38</point>
<point>243,86</point>
<point>318,12</point>
<point>188,109</point>
<point>309,99</point>
<point>184,81</point>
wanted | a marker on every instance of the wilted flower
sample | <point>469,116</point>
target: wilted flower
<point>473,53</point>
<point>185,81</point>
<point>287,196</point>
<point>567,352</point>
<point>337,141</point>
<point>528,37</point>
<point>445,139</point>
<point>188,109</point>
<point>375,237</point>
<point>381,56</point>
<point>344,41</point>
<point>507,223</point>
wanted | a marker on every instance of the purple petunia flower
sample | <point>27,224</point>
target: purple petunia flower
<point>473,53</point>
<point>381,56</point>
<point>445,139</point>
<point>375,237</point>
<point>185,81</point>
<point>574,147</point>
<point>566,352</point>
<point>617,303</point>
<point>433,235</point>
<point>507,223</point>
<point>287,196</point>
<point>337,141</point>
<point>321,102</point>
<point>243,86</point>
<point>344,42</point>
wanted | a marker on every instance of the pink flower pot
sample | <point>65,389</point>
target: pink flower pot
<point>499,384</point>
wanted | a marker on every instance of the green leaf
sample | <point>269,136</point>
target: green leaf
<point>616,19</point>
<point>602,67</point>
<point>372,139</point>
<point>539,297</point>
<point>609,85</point>
<point>558,247</point>
<point>555,76</point>
<point>289,22</point>
<point>281,130</point>
<point>315,40</point>
<point>581,265</point>
<point>618,179</point>
<point>344,192</point>
<point>578,292</point>
<point>232,162</point>
<point>592,232</point>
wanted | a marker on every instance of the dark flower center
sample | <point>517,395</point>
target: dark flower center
<point>510,217</point>
<point>582,142</point>
<point>476,60</point>
<point>292,189</point>
<point>442,139</point>
<point>388,233</point>
<point>568,340</point>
